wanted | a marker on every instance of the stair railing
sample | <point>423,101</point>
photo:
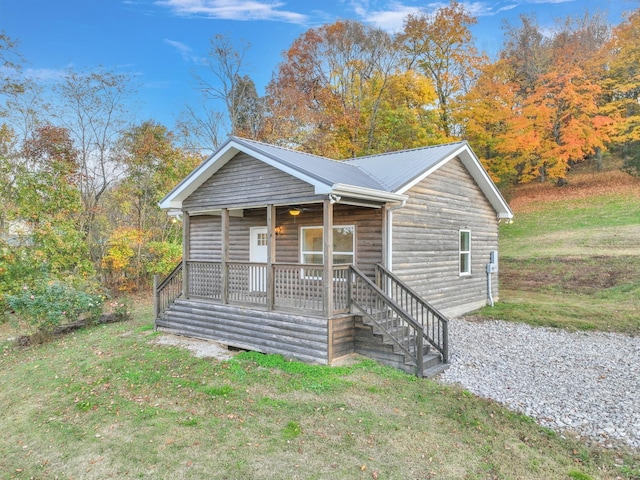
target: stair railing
<point>166,291</point>
<point>435,324</point>
<point>389,317</point>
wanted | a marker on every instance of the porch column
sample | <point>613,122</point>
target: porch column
<point>271,255</point>
<point>224,256</point>
<point>327,235</point>
<point>186,247</point>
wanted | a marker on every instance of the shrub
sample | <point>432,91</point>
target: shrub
<point>49,304</point>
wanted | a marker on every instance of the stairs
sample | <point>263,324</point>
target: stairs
<point>375,343</point>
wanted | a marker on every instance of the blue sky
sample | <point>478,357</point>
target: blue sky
<point>160,42</point>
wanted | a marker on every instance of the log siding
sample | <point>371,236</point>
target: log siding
<point>246,181</point>
<point>426,234</point>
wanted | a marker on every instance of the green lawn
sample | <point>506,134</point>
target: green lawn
<point>573,264</point>
<point>109,402</point>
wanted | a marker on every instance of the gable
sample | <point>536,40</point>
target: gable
<point>245,181</point>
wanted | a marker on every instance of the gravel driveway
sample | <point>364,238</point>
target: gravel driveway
<point>587,383</point>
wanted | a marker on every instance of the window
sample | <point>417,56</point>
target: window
<point>465,252</point>
<point>312,241</point>
<point>261,239</point>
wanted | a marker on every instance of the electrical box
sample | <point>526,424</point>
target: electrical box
<point>493,262</point>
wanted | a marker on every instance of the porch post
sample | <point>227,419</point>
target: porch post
<point>224,256</point>
<point>385,236</point>
<point>186,248</point>
<point>327,235</point>
<point>271,255</point>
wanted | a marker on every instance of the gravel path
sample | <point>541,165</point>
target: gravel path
<point>587,383</point>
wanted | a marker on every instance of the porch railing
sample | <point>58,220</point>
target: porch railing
<point>167,290</point>
<point>434,324</point>
<point>295,286</point>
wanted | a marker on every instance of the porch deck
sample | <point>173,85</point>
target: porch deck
<point>282,308</point>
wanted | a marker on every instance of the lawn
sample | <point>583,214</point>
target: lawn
<point>572,257</point>
<point>110,402</point>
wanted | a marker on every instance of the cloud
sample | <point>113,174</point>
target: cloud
<point>233,10</point>
<point>185,51</point>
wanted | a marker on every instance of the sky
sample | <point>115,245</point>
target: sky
<point>160,43</point>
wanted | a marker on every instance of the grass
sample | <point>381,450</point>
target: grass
<point>572,259</point>
<point>109,402</point>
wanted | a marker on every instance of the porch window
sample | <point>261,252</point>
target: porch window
<point>465,252</point>
<point>312,241</point>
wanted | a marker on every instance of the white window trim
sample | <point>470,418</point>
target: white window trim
<point>303,252</point>
<point>462,252</point>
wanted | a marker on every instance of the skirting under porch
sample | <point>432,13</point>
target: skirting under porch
<point>306,338</point>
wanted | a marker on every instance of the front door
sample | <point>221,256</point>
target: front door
<point>258,254</point>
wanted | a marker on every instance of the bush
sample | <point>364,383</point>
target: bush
<point>53,303</point>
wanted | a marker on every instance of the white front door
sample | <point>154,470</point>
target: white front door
<point>258,254</point>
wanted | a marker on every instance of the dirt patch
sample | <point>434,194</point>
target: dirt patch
<point>577,275</point>
<point>199,347</point>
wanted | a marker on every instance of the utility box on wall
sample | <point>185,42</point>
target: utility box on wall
<point>492,267</point>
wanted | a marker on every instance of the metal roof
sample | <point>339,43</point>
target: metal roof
<point>323,169</point>
<point>396,169</point>
<point>382,178</point>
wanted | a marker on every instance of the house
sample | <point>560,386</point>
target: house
<point>300,255</point>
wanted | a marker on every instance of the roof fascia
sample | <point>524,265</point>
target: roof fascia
<point>366,193</point>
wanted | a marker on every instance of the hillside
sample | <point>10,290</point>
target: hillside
<point>572,256</point>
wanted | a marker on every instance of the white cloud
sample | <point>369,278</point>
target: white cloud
<point>185,51</point>
<point>233,10</point>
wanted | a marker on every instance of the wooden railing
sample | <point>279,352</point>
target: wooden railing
<point>435,325</point>
<point>166,291</point>
<point>295,286</point>
<point>389,317</point>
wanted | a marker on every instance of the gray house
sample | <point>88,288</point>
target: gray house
<point>300,255</point>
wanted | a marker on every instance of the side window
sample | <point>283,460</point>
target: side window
<point>465,252</point>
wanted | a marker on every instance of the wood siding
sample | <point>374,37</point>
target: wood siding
<point>426,235</point>
<point>246,181</point>
<point>293,336</point>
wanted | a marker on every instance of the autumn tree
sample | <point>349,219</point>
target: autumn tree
<point>143,239</point>
<point>536,110</point>
<point>621,84</point>
<point>440,46</point>
<point>341,91</point>
<point>48,199</point>
<point>94,109</point>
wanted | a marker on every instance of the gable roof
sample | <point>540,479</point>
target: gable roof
<point>381,178</point>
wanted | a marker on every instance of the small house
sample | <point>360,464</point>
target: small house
<point>296,254</point>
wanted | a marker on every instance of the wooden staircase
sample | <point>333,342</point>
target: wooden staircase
<point>377,344</point>
<point>396,326</point>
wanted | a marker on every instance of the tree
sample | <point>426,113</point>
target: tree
<point>93,109</point>
<point>536,111</point>
<point>441,47</point>
<point>621,84</point>
<point>47,198</point>
<point>143,236</point>
<point>337,88</point>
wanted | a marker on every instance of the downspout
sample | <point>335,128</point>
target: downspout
<point>389,256</point>
<point>489,287</point>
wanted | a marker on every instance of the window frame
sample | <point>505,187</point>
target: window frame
<point>464,253</point>
<point>304,252</point>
